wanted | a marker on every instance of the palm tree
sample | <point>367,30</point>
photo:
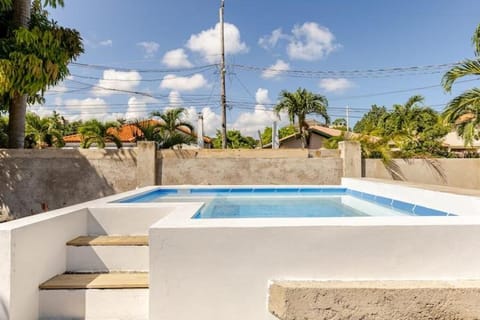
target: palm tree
<point>463,111</point>
<point>44,132</point>
<point>93,131</point>
<point>298,105</point>
<point>169,126</point>
<point>147,130</point>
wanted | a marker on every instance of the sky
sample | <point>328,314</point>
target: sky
<point>144,56</point>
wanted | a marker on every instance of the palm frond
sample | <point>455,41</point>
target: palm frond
<point>466,68</point>
<point>476,40</point>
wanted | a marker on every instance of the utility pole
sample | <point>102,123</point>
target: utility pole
<point>200,141</point>
<point>223,98</point>
<point>348,117</point>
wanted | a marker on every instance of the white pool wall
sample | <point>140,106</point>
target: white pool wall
<point>221,268</point>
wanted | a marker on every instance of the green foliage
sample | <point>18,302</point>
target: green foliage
<point>372,120</point>
<point>282,133</point>
<point>96,132</point>
<point>340,124</point>
<point>298,105</point>
<point>43,132</point>
<point>462,111</point>
<point>169,131</point>
<point>235,140</point>
<point>3,132</point>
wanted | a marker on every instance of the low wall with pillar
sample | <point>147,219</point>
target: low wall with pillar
<point>34,181</point>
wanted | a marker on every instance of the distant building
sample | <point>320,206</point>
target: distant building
<point>455,144</point>
<point>129,134</point>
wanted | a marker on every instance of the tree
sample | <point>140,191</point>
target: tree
<point>148,130</point>
<point>44,132</point>
<point>340,124</point>
<point>3,132</point>
<point>462,111</point>
<point>170,126</point>
<point>282,133</point>
<point>372,120</point>
<point>298,105</point>
<point>94,131</point>
<point>34,54</point>
<point>235,140</point>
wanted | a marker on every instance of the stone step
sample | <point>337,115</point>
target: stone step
<point>114,280</point>
<point>108,254</point>
<point>109,241</point>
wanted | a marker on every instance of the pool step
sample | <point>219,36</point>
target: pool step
<point>107,254</point>
<point>95,296</point>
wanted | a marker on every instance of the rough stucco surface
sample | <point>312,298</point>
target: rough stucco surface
<point>375,300</point>
<point>460,173</point>
<point>228,171</point>
<point>32,181</point>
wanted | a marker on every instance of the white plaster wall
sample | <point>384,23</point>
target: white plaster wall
<point>5,273</point>
<point>223,272</point>
<point>38,252</point>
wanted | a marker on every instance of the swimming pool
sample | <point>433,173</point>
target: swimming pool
<point>284,202</point>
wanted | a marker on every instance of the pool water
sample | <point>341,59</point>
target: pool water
<point>284,203</point>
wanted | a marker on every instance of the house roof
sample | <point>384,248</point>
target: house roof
<point>128,133</point>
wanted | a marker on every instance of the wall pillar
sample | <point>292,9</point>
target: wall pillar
<point>146,163</point>
<point>351,154</point>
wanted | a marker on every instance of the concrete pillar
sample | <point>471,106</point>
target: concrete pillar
<point>146,163</point>
<point>351,154</point>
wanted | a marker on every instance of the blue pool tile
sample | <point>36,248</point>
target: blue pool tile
<point>384,201</point>
<point>241,190</point>
<point>310,190</point>
<point>210,190</point>
<point>288,190</point>
<point>354,193</point>
<point>264,190</point>
<point>424,211</point>
<point>334,190</point>
<point>397,204</point>
<point>368,197</point>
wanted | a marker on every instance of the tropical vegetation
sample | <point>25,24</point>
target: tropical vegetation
<point>235,140</point>
<point>170,130</point>
<point>34,55</point>
<point>463,111</point>
<point>283,132</point>
<point>94,132</point>
<point>298,105</point>
<point>43,132</point>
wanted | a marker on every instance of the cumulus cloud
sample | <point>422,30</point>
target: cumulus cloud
<point>175,99</point>
<point>106,43</point>
<point>211,120</point>
<point>262,116</point>
<point>149,47</point>
<point>119,80</point>
<point>335,84</point>
<point>310,42</point>
<point>177,83</point>
<point>207,42</point>
<point>176,59</point>
<point>276,69</point>
<point>138,108</point>
<point>86,109</point>
<point>271,40</point>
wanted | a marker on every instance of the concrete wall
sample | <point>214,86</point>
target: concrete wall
<point>33,181</point>
<point>460,173</point>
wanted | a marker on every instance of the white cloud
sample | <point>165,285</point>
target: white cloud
<point>150,48</point>
<point>86,109</point>
<point>175,99</point>
<point>106,43</point>
<point>335,85</point>
<point>310,42</point>
<point>138,108</point>
<point>207,42</point>
<point>276,69</point>
<point>119,80</point>
<point>271,40</point>
<point>211,120</point>
<point>250,122</point>
<point>176,59</point>
<point>177,83</point>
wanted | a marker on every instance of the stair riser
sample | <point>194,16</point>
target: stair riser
<point>107,258</point>
<point>93,304</point>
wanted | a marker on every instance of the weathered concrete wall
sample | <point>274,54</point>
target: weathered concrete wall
<point>33,181</point>
<point>375,300</point>
<point>228,171</point>
<point>460,173</point>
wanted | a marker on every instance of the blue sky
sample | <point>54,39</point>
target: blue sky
<point>166,51</point>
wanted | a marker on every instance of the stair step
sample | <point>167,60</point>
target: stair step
<point>114,280</point>
<point>109,241</point>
